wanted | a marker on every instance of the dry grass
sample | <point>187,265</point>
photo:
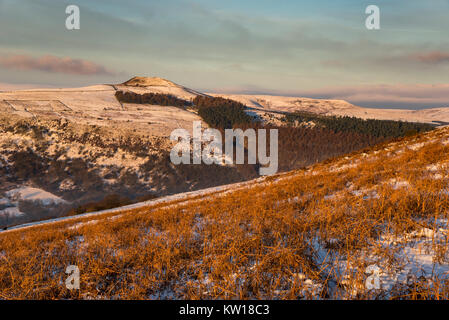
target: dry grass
<point>308,234</point>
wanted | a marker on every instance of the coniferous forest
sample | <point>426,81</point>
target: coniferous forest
<point>299,145</point>
<point>221,113</point>
<point>150,98</point>
<point>376,128</point>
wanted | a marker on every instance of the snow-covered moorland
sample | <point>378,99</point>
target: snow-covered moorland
<point>369,225</point>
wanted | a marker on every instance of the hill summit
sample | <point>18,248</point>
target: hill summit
<point>149,82</point>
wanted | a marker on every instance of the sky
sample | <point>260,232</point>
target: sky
<point>318,49</point>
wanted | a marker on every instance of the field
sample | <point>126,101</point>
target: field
<point>323,232</point>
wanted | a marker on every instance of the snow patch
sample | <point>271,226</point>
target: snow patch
<point>416,146</point>
<point>397,184</point>
<point>11,212</point>
<point>34,194</point>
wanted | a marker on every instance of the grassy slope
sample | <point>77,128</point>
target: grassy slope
<point>306,234</point>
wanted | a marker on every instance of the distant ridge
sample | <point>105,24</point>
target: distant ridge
<point>99,98</point>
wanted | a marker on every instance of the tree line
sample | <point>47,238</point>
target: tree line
<point>221,113</point>
<point>159,99</point>
<point>372,127</point>
<point>215,111</point>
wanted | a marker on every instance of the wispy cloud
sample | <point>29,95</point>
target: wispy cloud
<point>49,63</point>
<point>434,57</point>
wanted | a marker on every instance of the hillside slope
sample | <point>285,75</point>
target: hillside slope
<point>321,232</point>
<point>102,146</point>
<point>268,103</point>
<point>97,105</point>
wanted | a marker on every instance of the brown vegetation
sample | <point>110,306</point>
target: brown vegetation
<point>306,234</point>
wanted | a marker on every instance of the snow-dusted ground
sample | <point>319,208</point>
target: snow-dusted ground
<point>34,194</point>
<point>418,256</point>
<point>269,103</point>
<point>11,212</point>
<point>97,105</point>
<point>179,196</point>
<point>10,202</point>
<point>414,254</point>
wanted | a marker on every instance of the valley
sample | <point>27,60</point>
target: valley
<point>94,150</point>
<point>313,233</point>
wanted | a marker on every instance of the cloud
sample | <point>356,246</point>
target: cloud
<point>434,57</point>
<point>53,64</point>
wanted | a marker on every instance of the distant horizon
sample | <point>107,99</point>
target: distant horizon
<point>311,95</point>
<point>365,104</point>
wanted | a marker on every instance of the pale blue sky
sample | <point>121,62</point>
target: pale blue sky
<point>319,48</point>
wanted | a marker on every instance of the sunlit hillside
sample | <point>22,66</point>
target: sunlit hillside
<point>64,155</point>
<point>316,233</point>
